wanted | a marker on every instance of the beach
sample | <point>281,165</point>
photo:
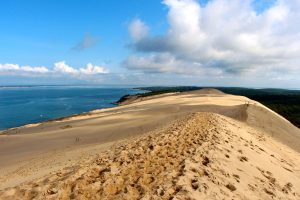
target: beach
<point>244,144</point>
<point>21,105</point>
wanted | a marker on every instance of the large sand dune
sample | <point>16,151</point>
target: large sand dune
<point>197,145</point>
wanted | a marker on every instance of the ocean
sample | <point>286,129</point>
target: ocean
<point>32,104</point>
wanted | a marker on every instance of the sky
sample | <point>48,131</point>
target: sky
<point>243,43</point>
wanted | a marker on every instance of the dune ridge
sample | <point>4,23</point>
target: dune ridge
<point>192,145</point>
<point>202,156</point>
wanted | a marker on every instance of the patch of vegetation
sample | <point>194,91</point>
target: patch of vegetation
<point>284,102</point>
<point>156,91</point>
<point>163,90</point>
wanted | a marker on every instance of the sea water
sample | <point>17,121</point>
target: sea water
<point>32,104</point>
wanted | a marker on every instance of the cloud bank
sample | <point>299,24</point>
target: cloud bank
<point>60,68</point>
<point>220,38</point>
<point>15,68</point>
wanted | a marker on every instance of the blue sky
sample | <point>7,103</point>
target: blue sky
<point>42,32</point>
<point>162,42</point>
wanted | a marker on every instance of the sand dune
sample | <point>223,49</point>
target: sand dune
<point>195,145</point>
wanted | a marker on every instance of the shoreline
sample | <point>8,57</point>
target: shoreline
<point>59,119</point>
<point>87,113</point>
<point>63,118</point>
<point>119,102</point>
<point>149,92</point>
<point>156,124</point>
<point>130,98</point>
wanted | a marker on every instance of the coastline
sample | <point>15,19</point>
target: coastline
<point>131,98</point>
<point>74,143</point>
<point>144,94</point>
<point>67,117</point>
<point>59,119</point>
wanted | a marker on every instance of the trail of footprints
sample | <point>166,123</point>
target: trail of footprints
<point>181,161</point>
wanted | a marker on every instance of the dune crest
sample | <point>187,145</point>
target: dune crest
<point>208,91</point>
<point>202,156</point>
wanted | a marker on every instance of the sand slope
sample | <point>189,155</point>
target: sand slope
<point>203,156</point>
<point>246,144</point>
<point>273,124</point>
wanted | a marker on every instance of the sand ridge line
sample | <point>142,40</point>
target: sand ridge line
<point>204,155</point>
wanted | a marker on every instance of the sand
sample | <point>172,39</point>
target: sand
<point>197,145</point>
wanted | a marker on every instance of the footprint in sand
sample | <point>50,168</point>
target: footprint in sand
<point>243,158</point>
<point>231,187</point>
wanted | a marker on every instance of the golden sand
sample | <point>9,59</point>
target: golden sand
<point>244,152</point>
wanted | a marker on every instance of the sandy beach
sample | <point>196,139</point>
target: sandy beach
<point>192,145</point>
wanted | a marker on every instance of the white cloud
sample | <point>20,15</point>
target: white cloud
<point>35,69</point>
<point>11,68</point>
<point>224,36</point>
<point>91,69</point>
<point>60,68</point>
<point>138,29</point>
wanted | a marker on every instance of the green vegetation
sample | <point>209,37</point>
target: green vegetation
<point>284,102</point>
<point>162,90</point>
<point>155,91</point>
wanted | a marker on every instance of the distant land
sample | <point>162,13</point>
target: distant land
<point>286,102</point>
<point>201,144</point>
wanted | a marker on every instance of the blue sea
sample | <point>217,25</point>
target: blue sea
<point>32,104</point>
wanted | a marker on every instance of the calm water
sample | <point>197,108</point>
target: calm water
<point>24,105</point>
